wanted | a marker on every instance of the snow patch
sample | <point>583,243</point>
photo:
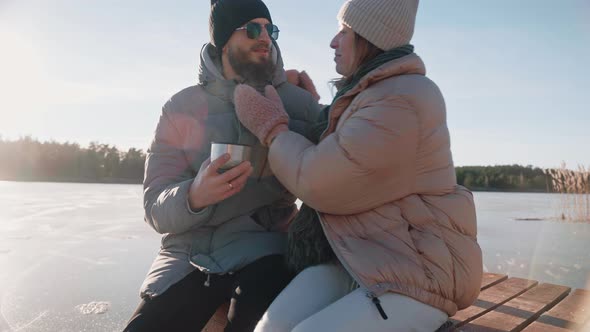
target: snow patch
<point>95,308</point>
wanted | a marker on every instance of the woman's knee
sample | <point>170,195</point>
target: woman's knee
<point>355,312</point>
<point>311,290</point>
<point>274,324</point>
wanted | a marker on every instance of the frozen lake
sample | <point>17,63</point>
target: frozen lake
<point>72,256</point>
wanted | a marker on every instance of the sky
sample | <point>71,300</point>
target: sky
<point>515,74</point>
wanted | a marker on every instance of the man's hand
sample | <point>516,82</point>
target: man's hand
<point>209,187</point>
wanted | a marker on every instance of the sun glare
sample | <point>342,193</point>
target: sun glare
<point>23,82</point>
<point>21,68</point>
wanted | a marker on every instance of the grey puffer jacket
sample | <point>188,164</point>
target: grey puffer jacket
<point>224,237</point>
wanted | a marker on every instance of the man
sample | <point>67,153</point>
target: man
<point>223,239</point>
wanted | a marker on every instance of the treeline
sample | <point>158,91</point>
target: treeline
<point>504,178</point>
<point>28,159</point>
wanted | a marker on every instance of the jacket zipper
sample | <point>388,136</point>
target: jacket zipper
<point>377,303</point>
<point>208,281</point>
<point>374,298</point>
<point>264,162</point>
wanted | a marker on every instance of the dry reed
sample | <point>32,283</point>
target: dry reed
<point>574,187</point>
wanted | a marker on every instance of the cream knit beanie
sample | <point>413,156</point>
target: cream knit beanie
<point>385,23</point>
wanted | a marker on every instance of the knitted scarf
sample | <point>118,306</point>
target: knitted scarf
<point>307,243</point>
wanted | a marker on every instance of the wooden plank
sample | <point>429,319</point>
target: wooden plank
<point>490,279</point>
<point>568,315</point>
<point>491,298</point>
<point>519,312</point>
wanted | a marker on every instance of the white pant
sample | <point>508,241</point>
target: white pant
<point>320,299</point>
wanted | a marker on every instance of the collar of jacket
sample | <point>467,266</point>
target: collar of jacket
<point>410,64</point>
<point>211,77</point>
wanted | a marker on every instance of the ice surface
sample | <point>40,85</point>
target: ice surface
<point>73,256</point>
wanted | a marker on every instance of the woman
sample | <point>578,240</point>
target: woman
<point>398,251</point>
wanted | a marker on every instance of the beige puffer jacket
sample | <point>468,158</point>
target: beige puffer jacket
<point>383,180</point>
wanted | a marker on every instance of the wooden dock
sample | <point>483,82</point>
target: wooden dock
<point>507,304</point>
<point>516,304</point>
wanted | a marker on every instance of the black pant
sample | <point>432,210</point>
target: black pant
<point>189,304</point>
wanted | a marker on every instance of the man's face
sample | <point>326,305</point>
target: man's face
<point>251,58</point>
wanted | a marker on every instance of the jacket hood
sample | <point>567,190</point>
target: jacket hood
<point>211,75</point>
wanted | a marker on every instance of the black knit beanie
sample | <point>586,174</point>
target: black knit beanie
<point>228,15</point>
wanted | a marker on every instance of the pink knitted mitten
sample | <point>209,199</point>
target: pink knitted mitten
<point>262,115</point>
<point>306,83</point>
<point>302,80</point>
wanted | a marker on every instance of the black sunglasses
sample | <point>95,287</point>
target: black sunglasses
<point>253,30</point>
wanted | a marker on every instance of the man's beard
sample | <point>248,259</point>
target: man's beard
<point>256,74</point>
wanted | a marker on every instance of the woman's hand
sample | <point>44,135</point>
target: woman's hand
<point>264,116</point>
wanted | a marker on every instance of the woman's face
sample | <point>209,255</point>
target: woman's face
<point>343,45</point>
